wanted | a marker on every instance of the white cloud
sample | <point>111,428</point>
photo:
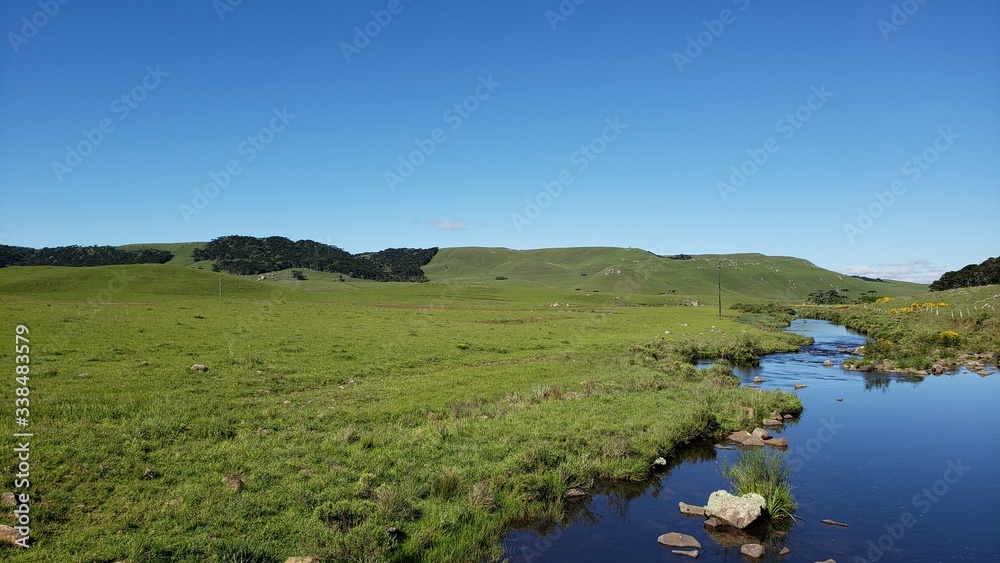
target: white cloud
<point>456,224</point>
<point>918,270</point>
<point>447,225</point>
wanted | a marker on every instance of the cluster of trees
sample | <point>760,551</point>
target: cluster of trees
<point>987,273</point>
<point>840,297</point>
<point>80,256</point>
<point>245,255</point>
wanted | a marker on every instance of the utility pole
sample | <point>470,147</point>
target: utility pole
<point>719,267</point>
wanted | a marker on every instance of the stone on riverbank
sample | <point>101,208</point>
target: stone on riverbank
<point>753,550</point>
<point>777,442</point>
<point>739,437</point>
<point>674,539</point>
<point>691,510</point>
<point>737,511</point>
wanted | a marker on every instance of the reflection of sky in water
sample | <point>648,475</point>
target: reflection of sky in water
<point>865,461</point>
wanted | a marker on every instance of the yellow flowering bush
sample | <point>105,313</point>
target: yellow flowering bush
<point>949,337</point>
<point>883,300</point>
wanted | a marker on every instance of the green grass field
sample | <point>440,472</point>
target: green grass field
<point>369,421</point>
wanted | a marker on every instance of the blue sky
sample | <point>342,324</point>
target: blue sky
<point>863,136</point>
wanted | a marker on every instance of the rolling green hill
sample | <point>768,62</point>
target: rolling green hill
<point>626,271</point>
<point>632,270</point>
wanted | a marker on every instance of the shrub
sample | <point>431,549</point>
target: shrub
<point>763,472</point>
<point>949,338</point>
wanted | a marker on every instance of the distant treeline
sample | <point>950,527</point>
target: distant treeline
<point>987,273</point>
<point>79,256</point>
<point>244,255</point>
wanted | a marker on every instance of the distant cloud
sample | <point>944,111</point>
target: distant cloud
<point>455,225</point>
<point>919,270</point>
<point>447,225</point>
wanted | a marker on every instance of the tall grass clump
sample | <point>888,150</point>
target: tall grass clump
<point>763,472</point>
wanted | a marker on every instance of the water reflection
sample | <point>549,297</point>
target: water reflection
<point>866,473</point>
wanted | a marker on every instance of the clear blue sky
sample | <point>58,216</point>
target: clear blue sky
<point>180,87</point>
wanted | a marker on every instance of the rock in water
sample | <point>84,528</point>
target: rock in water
<point>753,550</point>
<point>691,510</point>
<point>739,437</point>
<point>575,493</point>
<point>771,422</point>
<point>761,433</point>
<point>736,511</point>
<point>777,442</point>
<point>827,363</point>
<point>800,386</point>
<point>829,522</point>
<point>659,462</point>
<point>693,554</point>
<point>784,551</point>
<point>753,441</point>
<point>673,539</point>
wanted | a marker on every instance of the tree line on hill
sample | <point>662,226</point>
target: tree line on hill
<point>839,297</point>
<point>987,273</point>
<point>80,256</point>
<point>244,255</point>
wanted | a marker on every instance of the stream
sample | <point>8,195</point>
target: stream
<point>911,466</point>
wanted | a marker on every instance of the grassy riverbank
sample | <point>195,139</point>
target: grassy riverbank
<point>915,334</point>
<point>365,421</point>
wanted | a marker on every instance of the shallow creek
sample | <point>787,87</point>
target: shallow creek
<point>911,466</point>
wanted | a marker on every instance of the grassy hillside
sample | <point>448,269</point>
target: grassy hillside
<point>182,252</point>
<point>621,271</point>
<point>631,270</point>
<point>445,411</point>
